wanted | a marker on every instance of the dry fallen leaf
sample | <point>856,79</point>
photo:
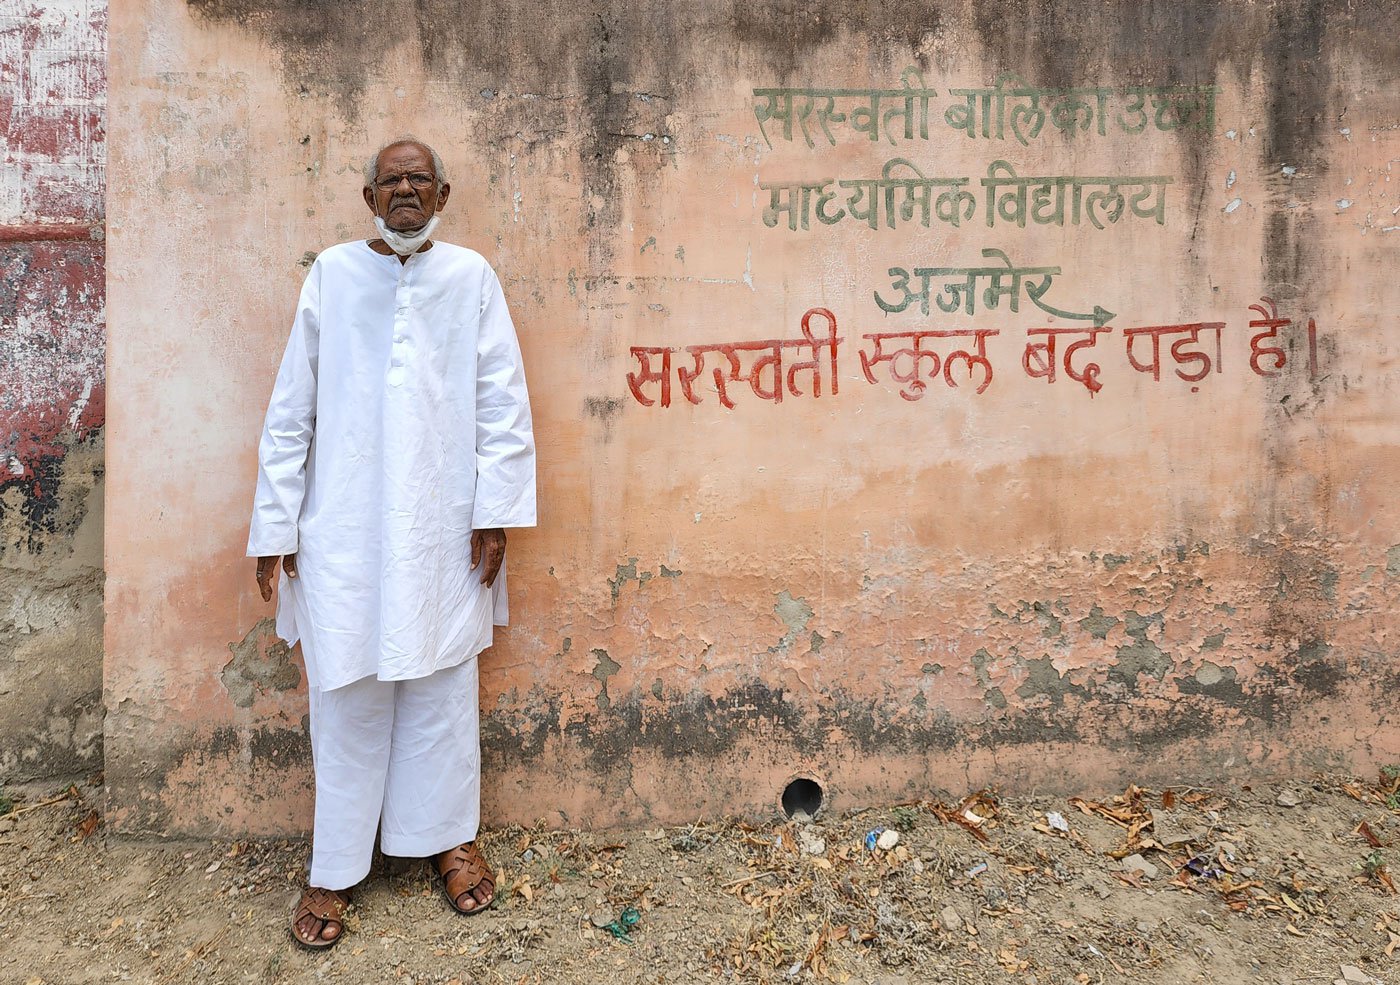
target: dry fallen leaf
<point>1364,830</point>
<point>1168,800</point>
<point>1394,943</point>
<point>88,825</point>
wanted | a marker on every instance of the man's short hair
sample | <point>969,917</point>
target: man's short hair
<point>372,165</point>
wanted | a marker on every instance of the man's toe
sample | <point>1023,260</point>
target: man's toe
<point>330,931</point>
<point>306,928</point>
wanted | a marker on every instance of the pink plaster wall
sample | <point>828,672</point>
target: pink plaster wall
<point>1030,586</point>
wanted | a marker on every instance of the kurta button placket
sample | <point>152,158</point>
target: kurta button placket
<point>402,303</point>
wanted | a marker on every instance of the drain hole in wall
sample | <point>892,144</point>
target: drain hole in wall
<point>803,796</point>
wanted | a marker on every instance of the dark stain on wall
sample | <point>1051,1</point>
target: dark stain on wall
<point>268,747</point>
<point>627,68</point>
<point>693,725</point>
<point>37,747</point>
<point>683,725</point>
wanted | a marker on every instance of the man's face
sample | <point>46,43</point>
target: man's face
<point>405,191</point>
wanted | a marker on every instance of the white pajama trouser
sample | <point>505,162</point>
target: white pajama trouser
<point>402,756</point>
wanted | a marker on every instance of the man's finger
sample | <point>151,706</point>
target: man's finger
<point>289,565</point>
<point>476,549</point>
<point>495,555</point>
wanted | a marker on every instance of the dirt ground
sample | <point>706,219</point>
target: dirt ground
<point>1274,884</point>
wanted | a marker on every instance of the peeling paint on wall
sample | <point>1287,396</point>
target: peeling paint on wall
<point>52,386</point>
<point>261,663</point>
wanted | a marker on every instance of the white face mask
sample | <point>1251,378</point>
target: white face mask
<point>405,243</point>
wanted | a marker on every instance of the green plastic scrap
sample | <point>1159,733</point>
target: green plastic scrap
<point>626,920</point>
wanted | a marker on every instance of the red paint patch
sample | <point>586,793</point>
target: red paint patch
<point>52,340</point>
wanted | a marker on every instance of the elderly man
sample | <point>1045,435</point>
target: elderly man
<point>397,448</point>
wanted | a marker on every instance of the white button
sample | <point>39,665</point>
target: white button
<point>398,338</point>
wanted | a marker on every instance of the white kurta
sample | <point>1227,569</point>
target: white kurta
<point>399,423</point>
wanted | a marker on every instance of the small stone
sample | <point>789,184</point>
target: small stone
<point>1289,799</point>
<point>600,919</point>
<point>1351,973</point>
<point>213,866</point>
<point>887,839</point>
<point>1057,822</point>
<point>527,856</point>
<point>950,920</point>
<point>1207,919</point>
<point>1133,862</point>
<point>918,867</point>
<point>810,842</point>
<point>1166,832</point>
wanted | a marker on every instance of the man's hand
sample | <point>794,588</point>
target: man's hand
<point>488,550</point>
<point>267,570</point>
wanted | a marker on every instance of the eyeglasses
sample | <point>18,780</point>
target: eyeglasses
<point>418,179</point>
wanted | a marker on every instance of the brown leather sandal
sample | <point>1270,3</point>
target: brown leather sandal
<point>462,870</point>
<point>327,906</point>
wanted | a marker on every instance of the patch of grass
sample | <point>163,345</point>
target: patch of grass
<point>6,804</point>
<point>904,818</point>
<point>1391,773</point>
<point>1373,863</point>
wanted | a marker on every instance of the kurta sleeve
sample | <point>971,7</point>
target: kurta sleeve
<point>505,441</point>
<point>287,432</point>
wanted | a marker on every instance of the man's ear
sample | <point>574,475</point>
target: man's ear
<point>369,199</point>
<point>442,196</point>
